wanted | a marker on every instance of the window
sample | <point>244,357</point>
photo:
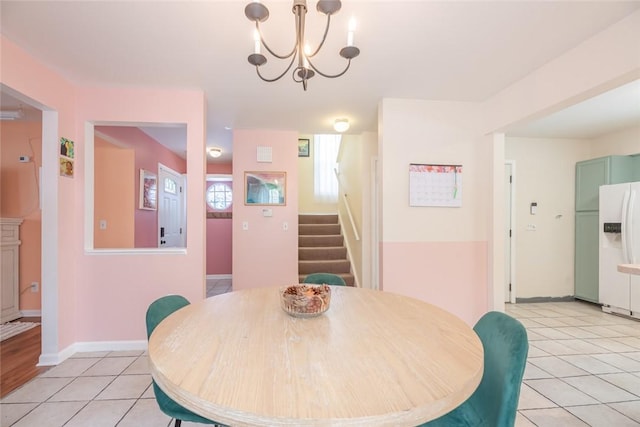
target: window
<point>325,157</point>
<point>219,196</point>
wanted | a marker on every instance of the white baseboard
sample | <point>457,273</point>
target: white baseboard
<point>31,313</point>
<point>90,346</point>
<point>218,276</point>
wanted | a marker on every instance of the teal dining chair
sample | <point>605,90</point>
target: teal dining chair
<point>324,278</point>
<point>495,402</point>
<point>156,313</point>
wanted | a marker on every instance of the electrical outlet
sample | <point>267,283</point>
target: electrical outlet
<point>35,287</point>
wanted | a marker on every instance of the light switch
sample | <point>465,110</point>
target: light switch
<point>245,225</point>
<point>103,224</point>
<point>285,226</point>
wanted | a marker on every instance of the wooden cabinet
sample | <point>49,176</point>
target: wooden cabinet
<point>10,244</point>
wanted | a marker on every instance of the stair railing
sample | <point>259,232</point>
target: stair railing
<point>346,204</point>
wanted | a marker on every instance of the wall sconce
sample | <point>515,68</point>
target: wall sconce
<point>341,125</point>
<point>214,152</point>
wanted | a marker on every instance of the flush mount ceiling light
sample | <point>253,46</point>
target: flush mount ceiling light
<point>301,51</point>
<point>341,125</point>
<point>214,152</point>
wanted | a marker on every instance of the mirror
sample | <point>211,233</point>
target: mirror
<point>139,174</point>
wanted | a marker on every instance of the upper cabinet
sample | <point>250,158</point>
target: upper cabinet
<point>591,174</point>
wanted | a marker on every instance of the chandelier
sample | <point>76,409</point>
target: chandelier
<point>304,69</point>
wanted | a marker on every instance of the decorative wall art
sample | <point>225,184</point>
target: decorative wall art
<point>148,190</point>
<point>265,188</point>
<point>304,148</point>
<point>67,156</point>
<point>435,185</point>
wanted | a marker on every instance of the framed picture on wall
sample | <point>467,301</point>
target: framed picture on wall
<point>148,190</point>
<point>303,148</point>
<point>265,188</point>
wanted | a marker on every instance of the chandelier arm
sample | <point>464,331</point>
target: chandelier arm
<point>324,37</point>
<point>330,76</point>
<point>266,46</point>
<point>280,76</point>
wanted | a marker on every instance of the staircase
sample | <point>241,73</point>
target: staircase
<point>321,247</point>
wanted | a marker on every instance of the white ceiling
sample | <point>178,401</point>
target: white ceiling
<point>438,50</point>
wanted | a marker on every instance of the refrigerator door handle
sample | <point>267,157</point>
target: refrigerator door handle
<point>625,228</point>
<point>631,256</point>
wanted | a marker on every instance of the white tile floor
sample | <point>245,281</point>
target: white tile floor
<point>583,370</point>
<point>583,367</point>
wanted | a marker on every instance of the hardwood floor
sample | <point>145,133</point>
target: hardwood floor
<point>19,357</point>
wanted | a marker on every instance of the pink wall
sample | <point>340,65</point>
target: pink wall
<point>148,153</point>
<point>219,230</point>
<point>131,281</point>
<point>265,254</point>
<point>19,198</point>
<point>61,228</point>
<point>447,274</point>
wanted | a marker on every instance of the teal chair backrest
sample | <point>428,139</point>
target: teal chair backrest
<point>495,402</point>
<point>505,356</point>
<point>325,278</point>
<point>161,308</point>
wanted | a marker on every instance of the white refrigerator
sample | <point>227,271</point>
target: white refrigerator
<point>619,242</point>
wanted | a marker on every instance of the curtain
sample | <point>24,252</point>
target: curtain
<point>325,148</point>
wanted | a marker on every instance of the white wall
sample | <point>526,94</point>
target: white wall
<point>623,142</point>
<point>545,174</point>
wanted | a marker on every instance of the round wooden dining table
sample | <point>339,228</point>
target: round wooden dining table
<point>373,359</point>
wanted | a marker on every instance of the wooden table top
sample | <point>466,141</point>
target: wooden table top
<point>373,359</point>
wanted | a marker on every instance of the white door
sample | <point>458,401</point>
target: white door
<point>509,295</point>
<point>634,220</point>
<point>171,227</point>
<point>613,286</point>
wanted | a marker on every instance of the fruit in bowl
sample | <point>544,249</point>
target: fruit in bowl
<point>305,300</point>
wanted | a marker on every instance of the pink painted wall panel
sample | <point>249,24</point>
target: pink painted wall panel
<point>19,198</point>
<point>220,230</point>
<point>117,288</point>
<point>451,275</point>
<point>265,254</point>
<point>61,227</point>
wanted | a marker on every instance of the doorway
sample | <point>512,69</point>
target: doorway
<point>509,232</point>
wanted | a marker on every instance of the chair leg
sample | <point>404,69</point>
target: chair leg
<point>178,423</point>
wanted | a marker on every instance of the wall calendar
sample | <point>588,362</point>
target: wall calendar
<point>435,185</point>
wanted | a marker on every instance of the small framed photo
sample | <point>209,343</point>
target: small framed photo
<point>148,190</point>
<point>66,167</point>
<point>265,188</point>
<point>67,148</point>
<point>303,148</point>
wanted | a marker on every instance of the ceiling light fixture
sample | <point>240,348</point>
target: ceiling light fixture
<point>214,152</point>
<point>305,69</point>
<point>341,125</point>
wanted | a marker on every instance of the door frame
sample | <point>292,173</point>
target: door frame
<point>511,219</point>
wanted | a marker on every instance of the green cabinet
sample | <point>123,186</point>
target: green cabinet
<point>586,262</point>
<point>591,174</point>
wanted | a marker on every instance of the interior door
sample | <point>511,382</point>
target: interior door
<point>171,195</point>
